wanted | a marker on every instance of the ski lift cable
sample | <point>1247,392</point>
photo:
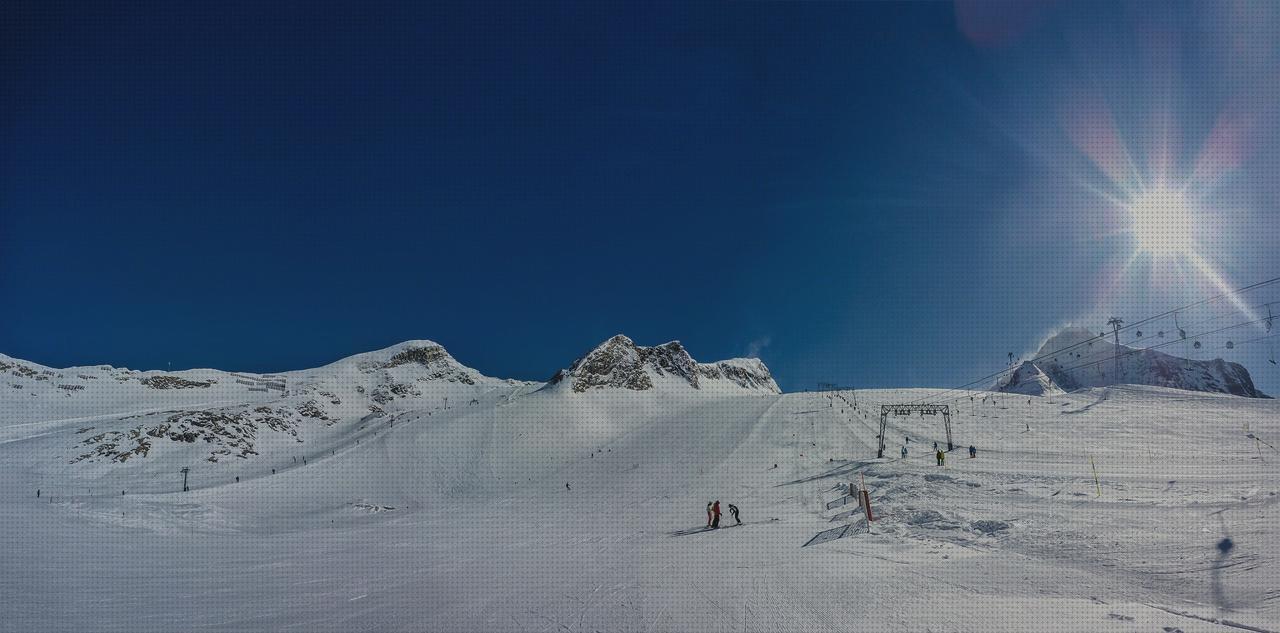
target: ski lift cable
<point>1184,337</point>
<point>1143,349</point>
<point>1201,302</point>
<point>1173,312</point>
<point>1124,354</point>
<point>1229,312</point>
<point>1258,338</point>
<point>1127,353</point>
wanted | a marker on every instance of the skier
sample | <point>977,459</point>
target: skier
<point>709,513</point>
<point>942,457</point>
<point>37,493</point>
<point>908,439</point>
<point>973,451</point>
<point>715,512</point>
<point>566,486</point>
<point>904,451</point>
<point>935,446</point>
<point>734,511</point>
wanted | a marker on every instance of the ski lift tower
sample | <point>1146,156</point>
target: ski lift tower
<point>1115,324</point>
<point>907,409</point>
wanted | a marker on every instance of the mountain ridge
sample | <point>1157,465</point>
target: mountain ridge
<point>620,363</point>
<point>1075,358</point>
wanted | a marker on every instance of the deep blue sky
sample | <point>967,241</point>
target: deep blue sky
<point>861,193</point>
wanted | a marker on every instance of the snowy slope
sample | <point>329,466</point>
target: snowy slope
<point>131,430</point>
<point>555,509</point>
<point>1076,358</point>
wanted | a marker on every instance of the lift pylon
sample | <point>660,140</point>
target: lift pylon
<point>907,409</point>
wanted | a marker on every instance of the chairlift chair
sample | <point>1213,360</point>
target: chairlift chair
<point>1231,345</point>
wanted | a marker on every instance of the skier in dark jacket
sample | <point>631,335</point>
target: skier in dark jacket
<point>973,451</point>
<point>904,451</point>
<point>715,512</point>
<point>734,511</point>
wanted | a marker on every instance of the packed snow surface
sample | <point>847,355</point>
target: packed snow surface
<point>452,501</point>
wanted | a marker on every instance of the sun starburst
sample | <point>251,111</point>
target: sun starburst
<point>1162,222</point>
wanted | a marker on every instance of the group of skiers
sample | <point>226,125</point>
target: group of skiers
<point>939,454</point>
<point>713,514</point>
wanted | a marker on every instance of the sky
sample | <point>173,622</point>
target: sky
<point>872,195</point>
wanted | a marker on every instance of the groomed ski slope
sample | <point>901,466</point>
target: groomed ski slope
<point>461,521</point>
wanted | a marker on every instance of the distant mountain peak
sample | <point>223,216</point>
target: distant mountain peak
<point>619,363</point>
<point>1076,358</point>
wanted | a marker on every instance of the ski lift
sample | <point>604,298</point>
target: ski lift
<point>1272,356</point>
<point>1231,345</point>
<point>1139,333</point>
<point>1196,345</point>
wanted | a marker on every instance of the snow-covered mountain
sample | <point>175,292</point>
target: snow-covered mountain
<point>620,363</point>
<point>123,416</point>
<point>470,503</point>
<point>212,415</point>
<point>1076,358</point>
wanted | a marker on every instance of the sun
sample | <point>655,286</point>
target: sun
<point>1162,222</point>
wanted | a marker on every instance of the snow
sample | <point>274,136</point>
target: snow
<point>1076,358</point>
<point>620,363</point>
<point>452,516</point>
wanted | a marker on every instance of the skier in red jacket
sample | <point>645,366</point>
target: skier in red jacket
<point>715,511</point>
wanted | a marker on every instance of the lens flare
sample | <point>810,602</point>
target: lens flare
<point>1163,222</point>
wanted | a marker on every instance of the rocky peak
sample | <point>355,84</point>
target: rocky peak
<point>619,362</point>
<point>748,373</point>
<point>424,355</point>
